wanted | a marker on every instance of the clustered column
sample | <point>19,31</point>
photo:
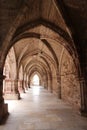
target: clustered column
<point>83,97</point>
<point>3,106</point>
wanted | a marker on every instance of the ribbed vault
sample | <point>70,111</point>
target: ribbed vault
<point>41,48</point>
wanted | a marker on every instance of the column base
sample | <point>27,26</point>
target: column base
<point>3,111</point>
<point>57,94</point>
<point>12,96</point>
<point>48,88</point>
<point>84,113</point>
<point>21,90</point>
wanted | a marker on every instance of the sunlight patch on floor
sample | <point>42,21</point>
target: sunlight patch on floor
<point>36,90</point>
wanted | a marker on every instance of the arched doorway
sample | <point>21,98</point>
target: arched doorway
<point>35,80</point>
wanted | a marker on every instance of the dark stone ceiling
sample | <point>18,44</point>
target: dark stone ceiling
<point>68,15</point>
<point>75,12</point>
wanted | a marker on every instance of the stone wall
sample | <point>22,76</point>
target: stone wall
<point>70,86</point>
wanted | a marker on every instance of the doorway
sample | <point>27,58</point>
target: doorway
<point>35,80</point>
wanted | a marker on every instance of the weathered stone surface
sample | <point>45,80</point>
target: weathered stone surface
<point>70,86</point>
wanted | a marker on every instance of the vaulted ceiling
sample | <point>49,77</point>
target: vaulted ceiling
<point>41,28</point>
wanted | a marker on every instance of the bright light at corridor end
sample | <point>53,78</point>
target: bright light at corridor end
<point>35,80</point>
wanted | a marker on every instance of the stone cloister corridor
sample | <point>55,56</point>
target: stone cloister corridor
<point>41,110</point>
<point>47,40</point>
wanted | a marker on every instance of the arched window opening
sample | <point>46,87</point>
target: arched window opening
<point>10,71</point>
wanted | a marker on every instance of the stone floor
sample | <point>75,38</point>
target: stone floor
<point>40,110</point>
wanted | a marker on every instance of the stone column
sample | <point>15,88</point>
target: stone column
<point>29,83</point>
<point>15,90</point>
<point>25,84</point>
<point>20,86</point>
<point>40,82</point>
<point>3,106</point>
<point>49,86</point>
<point>83,88</point>
<point>59,85</point>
